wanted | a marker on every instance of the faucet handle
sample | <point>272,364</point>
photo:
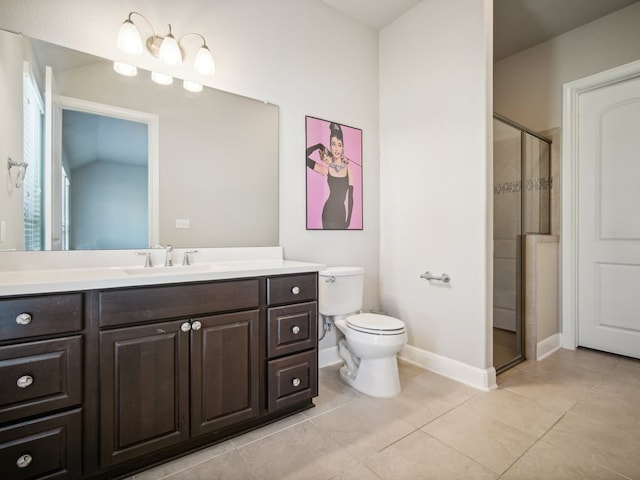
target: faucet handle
<point>147,260</point>
<point>185,259</point>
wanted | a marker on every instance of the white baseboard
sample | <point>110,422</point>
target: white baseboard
<point>549,345</point>
<point>450,368</point>
<point>328,356</point>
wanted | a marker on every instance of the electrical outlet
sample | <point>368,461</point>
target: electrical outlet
<point>3,231</point>
<point>183,223</point>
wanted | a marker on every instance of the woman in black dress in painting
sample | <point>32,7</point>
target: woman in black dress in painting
<point>334,166</point>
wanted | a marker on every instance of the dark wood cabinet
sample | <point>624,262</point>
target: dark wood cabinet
<point>144,385</point>
<point>225,369</point>
<point>102,383</point>
<point>163,383</point>
<point>292,340</point>
<point>41,386</point>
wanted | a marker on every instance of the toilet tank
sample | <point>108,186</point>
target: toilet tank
<point>340,290</point>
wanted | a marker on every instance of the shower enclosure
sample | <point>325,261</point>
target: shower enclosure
<point>521,206</point>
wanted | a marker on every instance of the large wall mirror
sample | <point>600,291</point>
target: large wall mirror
<point>121,162</point>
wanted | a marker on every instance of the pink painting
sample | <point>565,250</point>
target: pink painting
<point>334,176</point>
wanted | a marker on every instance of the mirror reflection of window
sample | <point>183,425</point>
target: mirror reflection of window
<point>64,230</point>
<point>33,111</point>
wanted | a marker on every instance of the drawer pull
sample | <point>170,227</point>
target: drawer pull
<point>23,319</point>
<point>295,329</point>
<point>295,290</point>
<point>24,381</point>
<point>295,382</point>
<point>196,325</point>
<point>24,461</point>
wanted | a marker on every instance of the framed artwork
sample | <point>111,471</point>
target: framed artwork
<point>334,175</point>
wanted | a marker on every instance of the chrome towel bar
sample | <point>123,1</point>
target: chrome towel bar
<point>430,276</point>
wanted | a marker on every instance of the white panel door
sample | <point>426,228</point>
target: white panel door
<point>609,218</point>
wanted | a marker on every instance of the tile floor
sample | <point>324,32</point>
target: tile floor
<point>574,415</point>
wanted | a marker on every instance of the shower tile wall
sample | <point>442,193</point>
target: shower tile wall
<point>555,136</point>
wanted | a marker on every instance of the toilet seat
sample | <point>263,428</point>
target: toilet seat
<point>375,324</point>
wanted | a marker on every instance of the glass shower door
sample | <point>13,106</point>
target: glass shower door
<point>507,245</point>
<point>521,206</point>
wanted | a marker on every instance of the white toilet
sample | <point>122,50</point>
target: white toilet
<point>371,340</point>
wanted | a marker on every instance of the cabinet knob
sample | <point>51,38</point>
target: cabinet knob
<point>23,319</point>
<point>24,461</point>
<point>295,290</point>
<point>196,325</point>
<point>24,381</point>
<point>295,382</point>
<point>185,327</point>
<point>295,329</point>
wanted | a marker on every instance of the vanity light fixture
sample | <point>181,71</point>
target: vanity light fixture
<point>125,69</point>
<point>194,87</point>
<point>167,49</point>
<point>161,78</point>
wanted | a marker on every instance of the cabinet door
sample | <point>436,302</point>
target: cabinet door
<point>144,383</point>
<point>224,370</point>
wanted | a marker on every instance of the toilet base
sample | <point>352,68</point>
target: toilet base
<point>377,377</point>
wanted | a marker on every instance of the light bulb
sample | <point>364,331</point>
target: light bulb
<point>170,50</point>
<point>194,87</point>
<point>161,78</point>
<point>125,69</point>
<point>203,63</point>
<point>129,40</point>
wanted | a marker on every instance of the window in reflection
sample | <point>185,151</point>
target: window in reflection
<point>32,207</point>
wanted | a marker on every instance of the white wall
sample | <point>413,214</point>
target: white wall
<point>435,124</point>
<point>301,55</point>
<point>10,139</point>
<point>528,85</point>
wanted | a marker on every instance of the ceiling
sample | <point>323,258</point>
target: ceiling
<point>518,24</point>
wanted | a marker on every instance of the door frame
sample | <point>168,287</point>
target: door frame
<point>569,244</point>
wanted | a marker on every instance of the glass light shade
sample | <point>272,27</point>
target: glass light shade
<point>194,87</point>
<point>125,69</point>
<point>203,63</point>
<point>170,51</point>
<point>129,40</point>
<point>161,78</point>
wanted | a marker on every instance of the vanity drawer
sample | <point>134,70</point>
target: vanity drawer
<point>40,377</point>
<point>40,315</point>
<point>292,288</point>
<point>144,304</point>
<point>292,379</point>
<point>47,448</point>
<point>292,328</point>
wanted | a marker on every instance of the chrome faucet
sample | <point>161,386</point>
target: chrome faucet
<point>185,259</point>
<point>168,260</point>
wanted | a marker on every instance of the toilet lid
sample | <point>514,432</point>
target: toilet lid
<point>376,324</point>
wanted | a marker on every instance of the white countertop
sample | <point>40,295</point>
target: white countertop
<point>208,264</point>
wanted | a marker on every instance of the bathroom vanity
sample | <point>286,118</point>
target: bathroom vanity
<point>141,366</point>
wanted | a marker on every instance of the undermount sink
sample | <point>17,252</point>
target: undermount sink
<point>162,270</point>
